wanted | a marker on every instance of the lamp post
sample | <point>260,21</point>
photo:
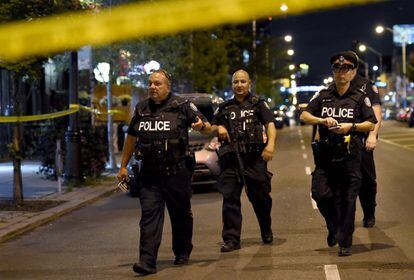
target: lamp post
<point>102,75</point>
<point>72,135</point>
<point>404,37</point>
<point>364,47</point>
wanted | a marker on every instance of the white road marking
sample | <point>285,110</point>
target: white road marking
<point>301,141</point>
<point>308,170</point>
<point>397,135</point>
<point>305,156</point>
<point>303,147</point>
<point>314,205</point>
<point>396,144</point>
<point>331,272</point>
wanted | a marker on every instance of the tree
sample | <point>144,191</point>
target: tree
<point>26,71</point>
<point>198,61</point>
<point>270,65</point>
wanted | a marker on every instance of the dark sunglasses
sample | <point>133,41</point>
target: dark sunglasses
<point>342,68</point>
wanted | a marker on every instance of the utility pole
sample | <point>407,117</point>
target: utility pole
<point>72,135</point>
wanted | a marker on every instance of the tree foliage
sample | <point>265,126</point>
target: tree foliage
<point>198,61</point>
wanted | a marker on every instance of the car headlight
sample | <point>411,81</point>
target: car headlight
<point>213,145</point>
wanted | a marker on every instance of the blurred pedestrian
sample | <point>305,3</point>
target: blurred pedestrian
<point>344,115</point>
<point>159,132</point>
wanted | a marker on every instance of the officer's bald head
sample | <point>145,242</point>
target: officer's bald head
<point>240,84</point>
<point>241,73</point>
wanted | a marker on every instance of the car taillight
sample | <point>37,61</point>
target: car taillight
<point>213,145</point>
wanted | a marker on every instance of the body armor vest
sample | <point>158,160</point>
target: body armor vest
<point>334,147</point>
<point>245,127</point>
<point>163,136</point>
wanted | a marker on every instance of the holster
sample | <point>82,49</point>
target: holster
<point>191,161</point>
<point>136,180</point>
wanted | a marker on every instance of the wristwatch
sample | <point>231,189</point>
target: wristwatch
<point>353,127</point>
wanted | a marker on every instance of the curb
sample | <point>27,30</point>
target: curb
<point>51,214</point>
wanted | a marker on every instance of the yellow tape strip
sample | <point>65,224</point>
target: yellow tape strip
<point>71,31</point>
<point>38,117</point>
<point>73,108</point>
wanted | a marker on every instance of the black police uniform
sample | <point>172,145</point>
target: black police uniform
<point>167,167</point>
<point>336,179</point>
<point>368,192</point>
<point>244,122</point>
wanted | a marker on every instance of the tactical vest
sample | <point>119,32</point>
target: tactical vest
<point>162,136</point>
<point>244,125</point>
<point>334,147</point>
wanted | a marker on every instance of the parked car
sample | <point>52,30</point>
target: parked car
<point>402,114</point>
<point>278,114</point>
<point>207,167</point>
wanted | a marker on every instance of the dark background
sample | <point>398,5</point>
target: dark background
<point>316,36</point>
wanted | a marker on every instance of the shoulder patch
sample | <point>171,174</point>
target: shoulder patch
<point>375,89</point>
<point>367,101</point>
<point>193,107</point>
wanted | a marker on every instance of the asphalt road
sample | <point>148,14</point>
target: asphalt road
<point>100,241</point>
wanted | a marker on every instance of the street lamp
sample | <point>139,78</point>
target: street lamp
<point>284,8</point>
<point>364,47</point>
<point>291,67</point>
<point>102,75</point>
<point>288,38</point>
<point>290,52</point>
<point>404,37</point>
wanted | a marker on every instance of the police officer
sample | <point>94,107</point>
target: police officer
<point>159,131</point>
<point>243,159</point>
<point>368,192</point>
<point>343,114</point>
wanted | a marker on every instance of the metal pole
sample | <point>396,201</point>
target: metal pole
<point>72,135</point>
<point>254,53</point>
<point>404,70</point>
<point>111,154</point>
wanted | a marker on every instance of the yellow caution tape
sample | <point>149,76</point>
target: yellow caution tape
<point>73,108</point>
<point>73,30</point>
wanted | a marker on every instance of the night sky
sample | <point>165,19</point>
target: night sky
<point>319,35</point>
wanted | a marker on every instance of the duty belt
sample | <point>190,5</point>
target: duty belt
<point>162,168</point>
<point>244,148</point>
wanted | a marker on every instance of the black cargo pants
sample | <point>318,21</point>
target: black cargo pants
<point>368,192</point>
<point>335,187</point>
<point>156,192</point>
<point>258,180</point>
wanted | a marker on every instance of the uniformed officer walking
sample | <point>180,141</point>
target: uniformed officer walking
<point>368,192</point>
<point>243,159</point>
<point>159,131</point>
<point>343,114</point>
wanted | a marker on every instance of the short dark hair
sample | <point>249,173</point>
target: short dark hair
<point>165,73</point>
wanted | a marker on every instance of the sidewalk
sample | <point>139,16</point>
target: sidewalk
<point>13,223</point>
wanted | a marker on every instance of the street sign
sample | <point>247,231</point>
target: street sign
<point>403,32</point>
